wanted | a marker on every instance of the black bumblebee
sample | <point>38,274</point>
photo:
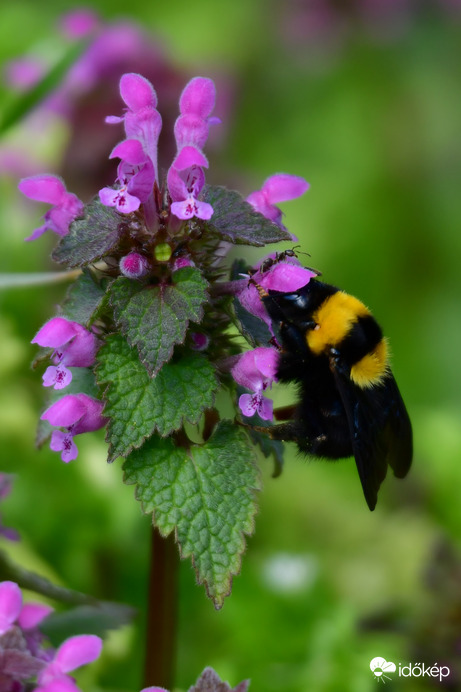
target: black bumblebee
<point>350,404</point>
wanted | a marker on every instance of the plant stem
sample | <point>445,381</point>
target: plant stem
<point>162,612</point>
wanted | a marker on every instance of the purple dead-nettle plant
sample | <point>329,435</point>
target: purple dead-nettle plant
<point>152,328</point>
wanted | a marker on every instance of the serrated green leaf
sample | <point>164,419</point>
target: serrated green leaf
<point>154,318</point>
<point>236,221</point>
<point>83,300</point>
<point>138,405</point>
<point>206,495</point>
<point>91,237</point>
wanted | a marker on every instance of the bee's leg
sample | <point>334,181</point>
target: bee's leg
<point>286,432</point>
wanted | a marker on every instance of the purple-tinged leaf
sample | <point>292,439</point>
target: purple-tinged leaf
<point>236,221</point>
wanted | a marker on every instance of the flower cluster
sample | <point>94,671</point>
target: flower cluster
<point>74,346</point>
<point>26,657</point>
<point>147,232</point>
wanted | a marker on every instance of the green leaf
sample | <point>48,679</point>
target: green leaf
<point>154,318</point>
<point>86,619</point>
<point>138,405</point>
<point>91,237</point>
<point>236,221</point>
<point>32,581</point>
<point>19,280</point>
<point>274,448</point>
<point>24,103</point>
<point>83,299</point>
<point>206,495</point>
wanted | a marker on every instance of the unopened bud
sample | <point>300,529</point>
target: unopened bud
<point>134,265</point>
<point>162,252</point>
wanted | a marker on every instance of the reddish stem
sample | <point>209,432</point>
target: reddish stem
<point>162,611</point>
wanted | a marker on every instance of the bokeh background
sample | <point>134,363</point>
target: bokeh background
<point>363,99</point>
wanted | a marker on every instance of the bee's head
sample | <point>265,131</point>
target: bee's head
<point>298,306</point>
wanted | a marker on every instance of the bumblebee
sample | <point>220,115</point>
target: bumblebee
<point>350,405</point>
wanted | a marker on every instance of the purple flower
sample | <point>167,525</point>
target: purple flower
<point>135,174</point>
<point>74,346</point>
<point>120,198</point>
<point>250,404</point>
<point>280,187</point>
<point>185,176</point>
<point>195,105</point>
<point>78,413</point>
<point>73,653</point>
<point>52,190</point>
<point>286,276</point>
<point>256,370</point>
<point>79,23</point>
<point>134,265</point>
<point>185,181</point>
<point>10,605</point>
<point>142,120</point>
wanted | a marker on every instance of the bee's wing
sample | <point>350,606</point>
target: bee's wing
<point>380,430</point>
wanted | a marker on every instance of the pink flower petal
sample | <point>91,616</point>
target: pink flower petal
<point>198,97</point>
<point>10,604</point>
<point>282,187</point>
<point>55,333</point>
<point>256,369</point>
<point>79,23</point>
<point>65,412</point>
<point>43,188</point>
<point>246,405</point>
<point>284,277</point>
<point>61,684</point>
<point>32,614</point>
<point>266,408</point>
<point>77,651</point>
<point>190,156</point>
<point>137,91</point>
<point>57,376</point>
<point>191,207</point>
<point>37,233</point>
<point>113,119</point>
<point>131,151</point>
<point>64,442</point>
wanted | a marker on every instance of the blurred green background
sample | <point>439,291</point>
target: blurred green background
<point>366,107</point>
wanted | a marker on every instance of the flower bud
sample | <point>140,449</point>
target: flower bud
<point>134,265</point>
